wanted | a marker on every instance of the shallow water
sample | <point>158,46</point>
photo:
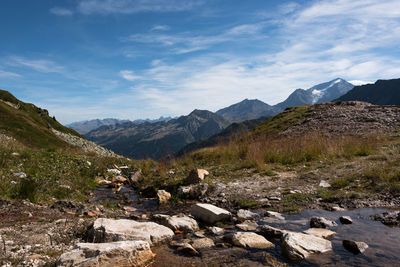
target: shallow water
<point>383,241</point>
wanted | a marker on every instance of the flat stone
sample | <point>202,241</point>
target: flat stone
<point>109,230</point>
<point>203,243</point>
<point>346,220</point>
<point>270,232</point>
<point>247,226</point>
<point>354,246</point>
<point>123,253</point>
<point>321,222</point>
<point>298,246</point>
<point>216,230</point>
<point>320,232</point>
<point>247,215</point>
<point>275,215</point>
<point>250,240</point>
<point>182,223</point>
<point>209,213</point>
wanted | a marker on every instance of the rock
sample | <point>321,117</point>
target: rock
<point>270,232</point>
<point>20,175</point>
<point>119,179</point>
<point>134,176</point>
<point>388,218</point>
<point>346,220</point>
<point>274,214</point>
<point>114,171</point>
<point>337,208</point>
<point>184,247</point>
<point>354,246</point>
<point>163,196</point>
<point>101,181</point>
<point>250,240</point>
<point>298,246</point>
<point>108,230</point>
<point>321,222</point>
<point>199,234</point>
<point>193,191</point>
<point>320,232</point>
<point>247,226</point>
<point>246,215</point>
<point>216,230</point>
<point>15,154</point>
<point>324,184</point>
<point>203,243</point>
<point>180,223</point>
<point>209,213</point>
<point>65,206</point>
<point>274,198</point>
<point>123,253</point>
<point>195,176</point>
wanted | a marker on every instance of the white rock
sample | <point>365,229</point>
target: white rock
<point>298,246</point>
<point>109,230</point>
<point>247,226</point>
<point>321,222</point>
<point>163,196</point>
<point>181,223</point>
<point>216,230</point>
<point>20,175</point>
<point>320,232</point>
<point>274,214</point>
<point>203,243</point>
<point>114,171</point>
<point>246,215</point>
<point>250,240</point>
<point>209,213</point>
<point>269,231</point>
<point>123,253</point>
<point>324,184</point>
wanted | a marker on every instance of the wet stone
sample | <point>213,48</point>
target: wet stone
<point>354,246</point>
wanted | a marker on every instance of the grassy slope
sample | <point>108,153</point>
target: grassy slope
<point>29,124</point>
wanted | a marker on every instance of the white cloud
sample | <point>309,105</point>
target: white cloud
<point>61,11</point>
<point>105,7</point>
<point>160,28</point>
<point>128,75</point>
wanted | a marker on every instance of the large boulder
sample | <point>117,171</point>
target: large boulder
<point>109,230</point>
<point>178,222</point>
<point>195,176</point>
<point>388,218</point>
<point>320,232</point>
<point>209,213</point>
<point>321,222</point>
<point>298,246</point>
<point>250,240</point>
<point>123,253</point>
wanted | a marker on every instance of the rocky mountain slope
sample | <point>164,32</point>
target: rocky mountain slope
<point>230,133</point>
<point>156,140</point>
<point>247,110</point>
<point>382,92</point>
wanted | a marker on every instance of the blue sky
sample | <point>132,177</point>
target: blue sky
<point>86,59</point>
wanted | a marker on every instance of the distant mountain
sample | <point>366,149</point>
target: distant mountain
<point>382,92</point>
<point>236,129</point>
<point>324,92</point>
<point>83,127</point>
<point>247,110</point>
<point>159,139</point>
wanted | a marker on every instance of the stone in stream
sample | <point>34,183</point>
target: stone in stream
<point>388,218</point>
<point>298,246</point>
<point>203,243</point>
<point>275,215</point>
<point>209,213</point>
<point>122,253</point>
<point>346,220</point>
<point>270,232</point>
<point>184,247</point>
<point>109,230</point>
<point>163,196</point>
<point>177,222</point>
<point>247,215</point>
<point>195,176</point>
<point>321,222</point>
<point>218,231</point>
<point>320,232</point>
<point>249,240</point>
<point>247,226</point>
<point>354,246</point>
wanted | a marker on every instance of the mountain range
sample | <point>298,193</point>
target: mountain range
<point>159,139</point>
<point>203,128</point>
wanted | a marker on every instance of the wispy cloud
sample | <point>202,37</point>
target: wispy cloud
<point>128,75</point>
<point>8,74</point>
<point>160,28</point>
<point>105,7</point>
<point>40,65</point>
<point>61,11</point>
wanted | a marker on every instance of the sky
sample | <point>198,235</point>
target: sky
<point>136,59</point>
